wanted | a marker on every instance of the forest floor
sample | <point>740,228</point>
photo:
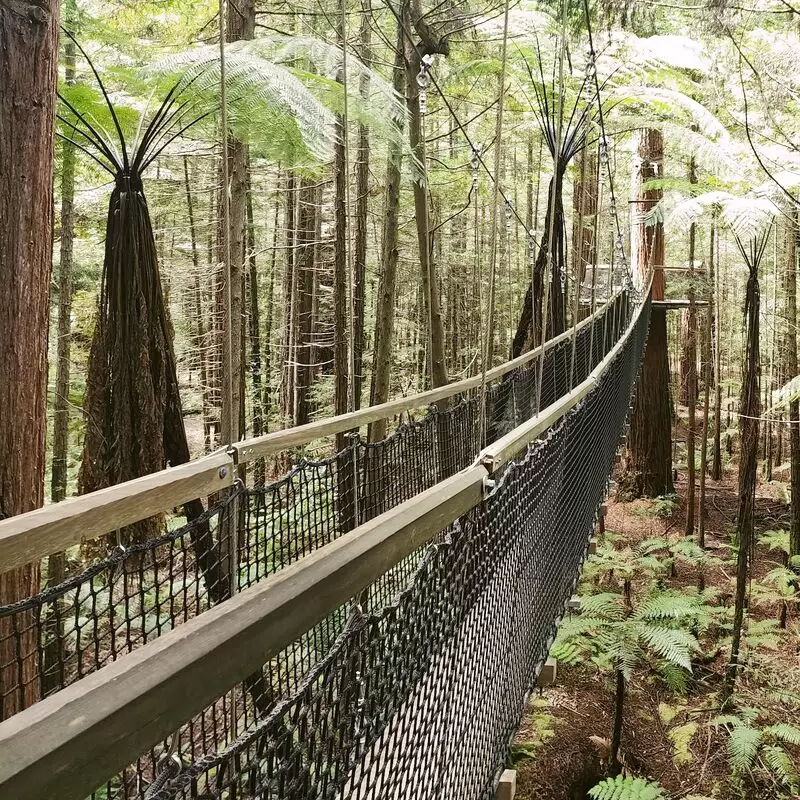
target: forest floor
<point>560,748</point>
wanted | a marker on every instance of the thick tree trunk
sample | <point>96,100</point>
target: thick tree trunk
<point>529,331</point>
<point>649,463</point>
<point>28,69</point>
<point>384,316</point>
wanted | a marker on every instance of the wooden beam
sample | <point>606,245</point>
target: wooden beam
<point>28,537</point>
<point>65,746</point>
<point>507,788</point>
<point>278,441</point>
<point>547,677</point>
<point>677,305</point>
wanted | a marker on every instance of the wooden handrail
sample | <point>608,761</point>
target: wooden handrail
<point>29,537</point>
<point>68,744</point>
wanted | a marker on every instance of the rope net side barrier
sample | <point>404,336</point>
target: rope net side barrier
<point>136,593</point>
<point>422,696</point>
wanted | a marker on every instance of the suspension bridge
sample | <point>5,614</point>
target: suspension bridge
<point>367,626</point>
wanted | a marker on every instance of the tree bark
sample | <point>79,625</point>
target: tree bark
<point>362,203</point>
<point>584,209</point>
<point>706,358</point>
<point>649,462</point>
<point>790,349</point>
<point>307,217</point>
<point>691,374</point>
<point>28,69</point>
<point>254,335</point>
<point>240,26</point>
<point>384,316</point>
<point>430,285</point>
<point>749,412</point>
<point>56,563</point>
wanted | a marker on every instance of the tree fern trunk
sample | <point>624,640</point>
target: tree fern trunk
<point>749,412</point>
<point>790,261</point>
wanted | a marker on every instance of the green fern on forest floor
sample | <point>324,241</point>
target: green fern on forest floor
<point>752,749</point>
<point>627,788</point>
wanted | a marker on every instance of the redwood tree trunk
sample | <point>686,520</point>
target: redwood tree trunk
<point>240,25</point>
<point>28,63</point>
<point>649,463</point>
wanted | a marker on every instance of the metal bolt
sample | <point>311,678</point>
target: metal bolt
<point>223,471</point>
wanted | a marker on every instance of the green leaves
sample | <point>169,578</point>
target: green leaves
<point>743,744</point>
<point>283,93</point>
<point>627,788</point>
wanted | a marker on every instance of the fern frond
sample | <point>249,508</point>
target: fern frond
<point>627,788</point>
<point>675,677</point>
<point>674,645</point>
<point>607,604</point>
<point>743,744</point>
<point>667,605</point>
<point>256,88</point>
<point>780,764</point>
<point>786,732</point>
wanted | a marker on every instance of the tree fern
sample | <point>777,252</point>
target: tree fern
<point>627,788</point>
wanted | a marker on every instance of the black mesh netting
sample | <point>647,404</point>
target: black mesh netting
<point>133,595</point>
<point>421,698</point>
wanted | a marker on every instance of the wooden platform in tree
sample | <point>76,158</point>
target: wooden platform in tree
<point>672,305</point>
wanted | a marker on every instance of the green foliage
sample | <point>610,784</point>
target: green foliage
<point>752,748</point>
<point>681,738</point>
<point>540,725</point>
<point>613,636</point>
<point>663,506</point>
<point>627,788</point>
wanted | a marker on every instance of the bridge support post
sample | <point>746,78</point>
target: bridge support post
<point>507,788</point>
<point>547,677</point>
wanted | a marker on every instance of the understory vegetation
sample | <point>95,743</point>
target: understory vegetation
<point>640,693</point>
